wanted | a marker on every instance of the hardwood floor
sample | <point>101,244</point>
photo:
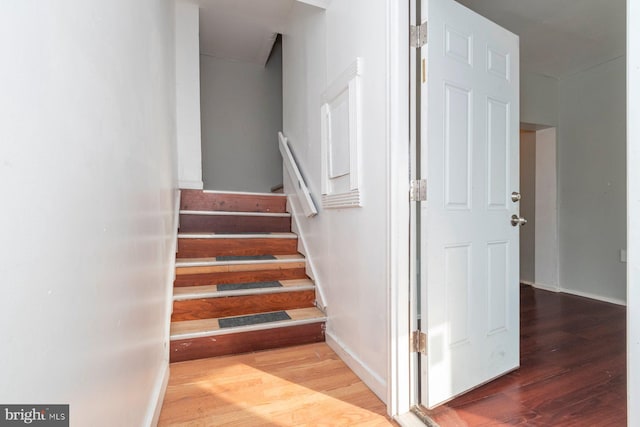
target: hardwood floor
<point>297,386</point>
<point>572,373</point>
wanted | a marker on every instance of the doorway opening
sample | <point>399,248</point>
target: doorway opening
<point>538,188</point>
<point>570,227</point>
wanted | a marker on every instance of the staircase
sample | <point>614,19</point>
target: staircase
<point>240,282</point>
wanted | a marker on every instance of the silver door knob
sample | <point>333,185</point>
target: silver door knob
<point>517,220</point>
<point>515,197</point>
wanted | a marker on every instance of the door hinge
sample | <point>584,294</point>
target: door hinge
<point>418,190</point>
<point>418,35</point>
<point>418,342</point>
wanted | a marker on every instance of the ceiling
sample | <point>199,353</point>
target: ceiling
<point>557,37</point>
<point>560,37</point>
<point>241,30</point>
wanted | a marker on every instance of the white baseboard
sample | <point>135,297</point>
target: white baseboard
<point>370,378</point>
<point>190,185</point>
<point>302,248</point>
<point>160,386</point>
<point>157,396</point>
<point>594,296</point>
<point>589,295</point>
<point>542,286</point>
<point>171,273</point>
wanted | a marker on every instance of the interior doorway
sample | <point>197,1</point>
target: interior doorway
<point>538,189</point>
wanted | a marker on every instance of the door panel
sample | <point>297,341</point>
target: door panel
<point>469,249</point>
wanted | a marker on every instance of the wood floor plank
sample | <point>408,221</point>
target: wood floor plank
<point>303,313</point>
<point>573,369</point>
<point>298,386</point>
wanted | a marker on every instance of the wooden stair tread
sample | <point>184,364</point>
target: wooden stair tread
<point>196,235</point>
<point>240,283</point>
<point>232,201</point>
<point>214,261</point>
<point>190,266</point>
<point>238,274</point>
<point>212,291</point>
<point>243,305</point>
<point>243,193</point>
<point>198,245</point>
<point>235,213</point>
<point>187,329</point>
<point>246,342</point>
<point>234,222</point>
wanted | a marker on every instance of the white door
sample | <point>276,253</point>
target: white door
<point>469,157</point>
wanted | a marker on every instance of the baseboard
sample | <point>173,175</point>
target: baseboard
<point>589,295</point>
<point>370,378</point>
<point>541,286</point>
<point>191,185</point>
<point>302,248</point>
<point>594,296</point>
<point>157,396</point>
<point>171,273</point>
<point>162,380</point>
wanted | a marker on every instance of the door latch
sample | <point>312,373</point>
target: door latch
<point>518,220</point>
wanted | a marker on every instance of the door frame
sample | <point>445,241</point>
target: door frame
<point>398,170</point>
<point>546,272</point>
<point>633,213</point>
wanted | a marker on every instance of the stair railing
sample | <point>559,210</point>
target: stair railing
<point>294,172</point>
<point>309,208</point>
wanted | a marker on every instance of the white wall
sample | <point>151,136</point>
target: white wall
<point>241,117</point>
<point>528,206</point>
<point>187,71</point>
<point>592,181</point>
<point>349,246</point>
<point>546,234</point>
<point>538,99</point>
<point>87,148</point>
<point>633,215</point>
